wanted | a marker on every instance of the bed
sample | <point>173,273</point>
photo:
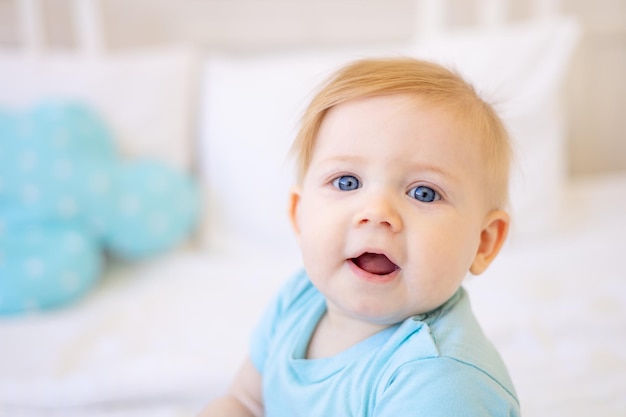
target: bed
<point>164,335</point>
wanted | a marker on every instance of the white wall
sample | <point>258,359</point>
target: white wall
<point>597,87</point>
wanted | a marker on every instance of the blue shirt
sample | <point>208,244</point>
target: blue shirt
<point>434,364</point>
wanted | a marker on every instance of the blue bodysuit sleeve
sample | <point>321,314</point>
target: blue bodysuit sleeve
<point>442,386</point>
<point>264,331</point>
<point>262,334</point>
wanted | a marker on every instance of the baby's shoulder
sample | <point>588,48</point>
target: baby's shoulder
<point>296,297</point>
<point>296,290</point>
<point>448,342</point>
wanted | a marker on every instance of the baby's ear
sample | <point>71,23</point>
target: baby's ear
<point>492,238</point>
<point>294,201</point>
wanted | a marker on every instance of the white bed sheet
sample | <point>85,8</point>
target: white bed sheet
<point>162,338</point>
<point>165,334</point>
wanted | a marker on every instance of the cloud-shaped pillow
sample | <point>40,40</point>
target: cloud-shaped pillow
<point>66,196</point>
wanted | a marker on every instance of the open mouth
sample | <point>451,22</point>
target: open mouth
<point>375,263</point>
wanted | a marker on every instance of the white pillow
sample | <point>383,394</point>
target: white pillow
<point>146,96</point>
<point>253,103</point>
<point>252,106</point>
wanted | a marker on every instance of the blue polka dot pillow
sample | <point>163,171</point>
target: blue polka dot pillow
<point>66,198</point>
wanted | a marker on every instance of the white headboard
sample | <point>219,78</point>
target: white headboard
<point>221,20</point>
<point>86,19</point>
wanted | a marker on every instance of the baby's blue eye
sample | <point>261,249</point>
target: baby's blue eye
<point>346,183</point>
<point>424,194</point>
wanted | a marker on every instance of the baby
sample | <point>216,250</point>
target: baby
<point>401,191</point>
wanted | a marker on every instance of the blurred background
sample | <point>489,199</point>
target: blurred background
<point>143,187</point>
<point>596,90</point>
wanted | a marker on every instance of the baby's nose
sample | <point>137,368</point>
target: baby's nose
<point>380,212</point>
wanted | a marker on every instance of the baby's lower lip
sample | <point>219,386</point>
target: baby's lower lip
<point>368,276</point>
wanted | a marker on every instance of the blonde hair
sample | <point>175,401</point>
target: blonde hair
<point>431,82</point>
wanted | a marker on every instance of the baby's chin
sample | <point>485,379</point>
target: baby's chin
<point>391,318</point>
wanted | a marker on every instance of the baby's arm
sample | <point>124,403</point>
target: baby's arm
<point>244,398</point>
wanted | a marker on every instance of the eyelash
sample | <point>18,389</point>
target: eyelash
<point>435,194</point>
<point>337,182</point>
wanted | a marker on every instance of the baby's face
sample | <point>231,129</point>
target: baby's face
<point>390,212</point>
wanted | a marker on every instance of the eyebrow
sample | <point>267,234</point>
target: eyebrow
<point>339,159</point>
<point>342,158</point>
<point>414,166</point>
<point>421,167</point>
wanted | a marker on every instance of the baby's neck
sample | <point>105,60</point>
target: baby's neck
<point>335,333</point>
